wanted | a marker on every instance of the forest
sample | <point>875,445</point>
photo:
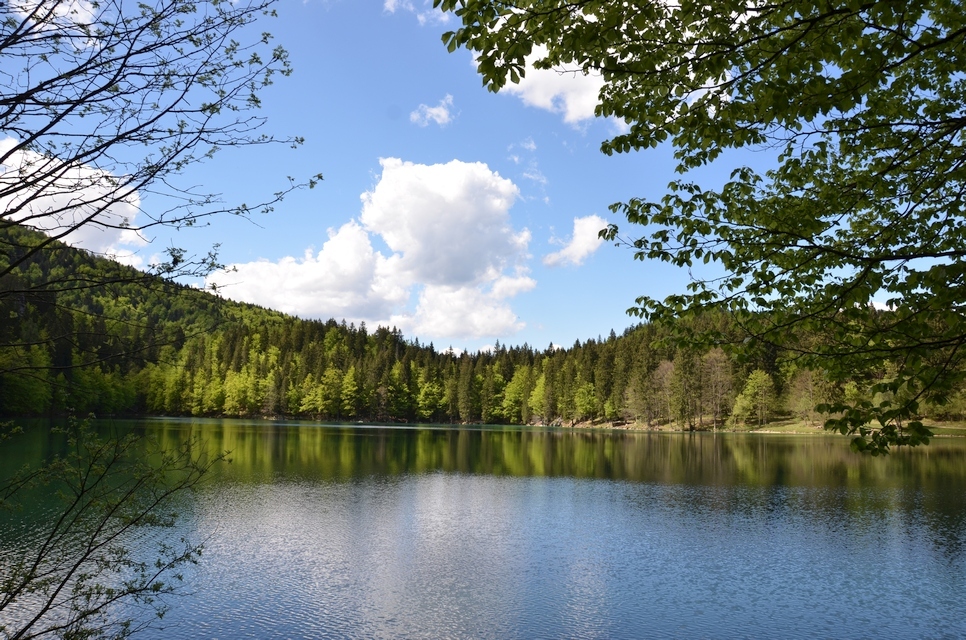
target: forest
<point>138,344</point>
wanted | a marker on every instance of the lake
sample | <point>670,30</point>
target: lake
<point>317,531</point>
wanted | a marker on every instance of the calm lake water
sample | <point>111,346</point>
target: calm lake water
<point>319,531</point>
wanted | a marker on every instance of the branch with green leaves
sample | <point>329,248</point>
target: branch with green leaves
<point>856,233</point>
<point>68,576</point>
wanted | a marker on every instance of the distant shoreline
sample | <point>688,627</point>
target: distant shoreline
<point>778,427</point>
<point>939,430</point>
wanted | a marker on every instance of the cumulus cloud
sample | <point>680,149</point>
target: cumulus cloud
<point>569,93</point>
<point>584,241</point>
<point>425,13</point>
<point>440,114</point>
<point>463,312</point>
<point>346,278</point>
<point>80,202</point>
<point>452,248</point>
<point>449,223</point>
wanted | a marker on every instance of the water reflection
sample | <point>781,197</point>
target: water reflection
<point>368,532</point>
<point>926,484</point>
<point>262,450</point>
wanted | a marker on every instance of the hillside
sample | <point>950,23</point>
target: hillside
<point>82,333</point>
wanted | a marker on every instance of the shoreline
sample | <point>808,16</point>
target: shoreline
<point>778,427</point>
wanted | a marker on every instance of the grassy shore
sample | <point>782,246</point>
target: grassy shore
<point>939,429</point>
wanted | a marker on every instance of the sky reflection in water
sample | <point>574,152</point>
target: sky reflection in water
<point>489,533</point>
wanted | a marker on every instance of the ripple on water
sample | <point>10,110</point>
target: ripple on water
<point>371,533</point>
<point>459,556</point>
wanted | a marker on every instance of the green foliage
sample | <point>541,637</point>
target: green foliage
<point>864,103</point>
<point>516,408</point>
<point>807,389</point>
<point>755,402</point>
<point>186,352</point>
<point>585,402</point>
<point>430,400</point>
<point>25,379</point>
<point>350,393</point>
<point>538,398</point>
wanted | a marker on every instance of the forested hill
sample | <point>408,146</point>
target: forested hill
<point>83,333</point>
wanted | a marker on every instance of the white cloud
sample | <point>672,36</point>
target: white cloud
<point>507,286</point>
<point>449,223</point>
<point>425,15</point>
<point>583,243</point>
<point>619,126</point>
<point>570,93</point>
<point>347,278</point>
<point>463,312</point>
<point>452,246</point>
<point>533,172</point>
<point>440,114</point>
<point>527,144</point>
<point>80,201</point>
<point>70,14</point>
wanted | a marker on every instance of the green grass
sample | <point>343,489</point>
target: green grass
<point>781,425</point>
<point>946,428</point>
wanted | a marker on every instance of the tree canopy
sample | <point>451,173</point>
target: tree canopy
<point>856,235</point>
<point>104,107</point>
<point>126,348</point>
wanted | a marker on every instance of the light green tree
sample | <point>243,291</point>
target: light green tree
<point>806,389</point>
<point>585,401</point>
<point>717,383</point>
<point>430,399</point>
<point>756,399</point>
<point>491,395</point>
<point>400,400</point>
<point>538,399</point>
<point>686,391</point>
<point>350,393</point>
<point>515,395</point>
<point>863,104</point>
<point>240,392</point>
<point>330,393</point>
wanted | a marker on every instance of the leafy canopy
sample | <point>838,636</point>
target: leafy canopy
<point>864,101</point>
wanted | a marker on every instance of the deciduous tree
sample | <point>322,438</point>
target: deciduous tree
<point>104,105</point>
<point>73,571</point>
<point>755,400</point>
<point>858,231</point>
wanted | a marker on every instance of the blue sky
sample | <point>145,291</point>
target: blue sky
<point>459,216</point>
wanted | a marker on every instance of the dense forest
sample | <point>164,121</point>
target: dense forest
<point>85,334</point>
